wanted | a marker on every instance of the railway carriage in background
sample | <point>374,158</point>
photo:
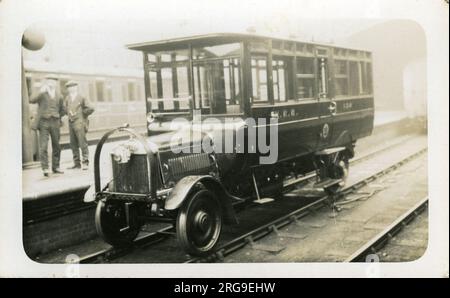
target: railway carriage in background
<point>318,97</point>
<point>117,93</point>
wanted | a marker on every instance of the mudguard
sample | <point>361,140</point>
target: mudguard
<point>345,138</point>
<point>182,189</point>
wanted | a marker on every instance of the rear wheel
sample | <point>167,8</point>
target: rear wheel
<point>339,170</point>
<point>199,223</point>
<point>111,224</point>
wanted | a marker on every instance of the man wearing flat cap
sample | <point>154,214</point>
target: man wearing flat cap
<point>48,122</point>
<point>78,110</point>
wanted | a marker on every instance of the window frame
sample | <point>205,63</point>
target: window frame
<point>198,84</point>
<point>192,66</point>
<point>307,76</point>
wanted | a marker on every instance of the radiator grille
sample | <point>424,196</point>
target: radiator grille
<point>131,177</point>
<point>189,164</point>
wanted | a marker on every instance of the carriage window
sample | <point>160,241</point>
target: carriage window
<point>259,79</point>
<point>139,92</point>
<point>305,78</point>
<point>278,78</point>
<point>341,85</point>
<point>369,77</point>
<point>200,87</point>
<point>131,91</point>
<point>362,71</point>
<point>99,86</point>
<point>366,77</point>
<point>168,81</point>
<point>152,76</point>
<point>217,86</point>
<point>182,87</point>
<point>151,57</point>
<point>84,87</point>
<point>354,78</point>
<point>124,92</point>
<point>109,93</point>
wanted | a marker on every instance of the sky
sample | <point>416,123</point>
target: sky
<point>102,44</point>
<point>91,38</point>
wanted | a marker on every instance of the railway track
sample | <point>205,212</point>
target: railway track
<point>366,253</point>
<point>62,204</point>
<point>250,238</point>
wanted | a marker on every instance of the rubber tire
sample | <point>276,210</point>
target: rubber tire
<point>185,215</point>
<point>109,230</point>
<point>338,187</point>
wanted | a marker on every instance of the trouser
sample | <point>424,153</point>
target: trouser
<point>49,127</point>
<point>77,130</point>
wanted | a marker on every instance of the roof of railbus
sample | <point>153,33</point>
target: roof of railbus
<point>214,39</point>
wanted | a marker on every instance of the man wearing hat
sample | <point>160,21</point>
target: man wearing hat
<point>48,122</point>
<point>78,110</point>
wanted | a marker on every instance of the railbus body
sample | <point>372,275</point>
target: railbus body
<point>317,99</point>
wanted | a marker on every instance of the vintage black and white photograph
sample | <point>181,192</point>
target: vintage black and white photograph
<point>174,132</point>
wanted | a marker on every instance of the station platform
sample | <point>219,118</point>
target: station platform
<point>36,186</point>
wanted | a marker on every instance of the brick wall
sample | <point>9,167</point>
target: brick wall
<point>43,237</point>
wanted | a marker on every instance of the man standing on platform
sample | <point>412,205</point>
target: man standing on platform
<point>48,122</point>
<point>78,110</point>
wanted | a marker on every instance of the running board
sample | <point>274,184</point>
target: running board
<point>330,151</point>
<point>314,191</point>
<point>259,200</point>
<point>326,183</point>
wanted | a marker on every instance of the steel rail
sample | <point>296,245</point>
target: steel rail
<point>111,253</point>
<point>382,238</point>
<point>258,233</point>
<point>273,226</point>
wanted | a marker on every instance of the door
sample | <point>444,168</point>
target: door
<point>327,106</point>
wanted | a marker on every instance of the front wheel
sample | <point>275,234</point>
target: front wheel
<point>199,223</point>
<point>111,224</point>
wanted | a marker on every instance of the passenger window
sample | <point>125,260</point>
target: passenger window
<point>91,91</point>
<point>366,77</point>
<point>305,78</point>
<point>341,85</point>
<point>99,86</point>
<point>217,86</point>
<point>109,92</point>
<point>153,84</point>
<point>259,79</point>
<point>139,92</point>
<point>369,77</point>
<point>124,92</point>
<point>183,87</point>
<point>354,78</point>
<point>131,91</point>
<point>200,87</point>
<point>167,91</point>
<point>168,81</point>
<point>279,80</point>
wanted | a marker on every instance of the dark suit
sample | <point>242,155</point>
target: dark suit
<point>48,122</point>
<point>78,111</point>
